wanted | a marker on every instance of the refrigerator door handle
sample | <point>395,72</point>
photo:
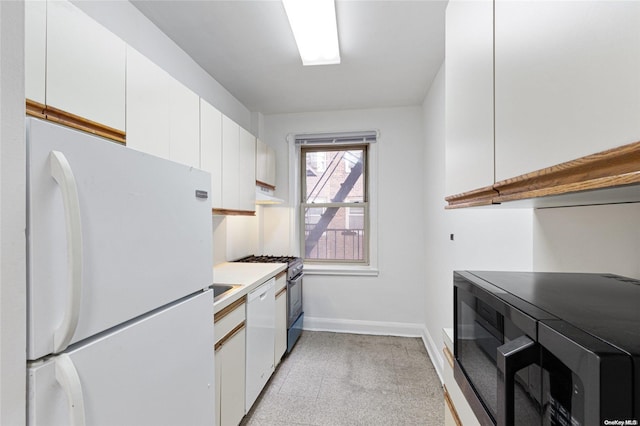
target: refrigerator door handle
<point>67,377</point>
<point>63,175</point>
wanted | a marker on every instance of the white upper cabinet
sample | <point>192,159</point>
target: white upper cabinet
<point>247,177</point>
<point>35,48</point>
<point>163,116</point>
<point>238,167</point>
<point>147,106</point>
<point>567,81</point>
<point>469,95</point>
<point>211,149</point>
<point>265,164</point>
<point>184,126</point>
<point>85,63</point>
<point>230,163</point>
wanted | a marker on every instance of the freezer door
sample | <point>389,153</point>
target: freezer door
<point>129,231</point>
<point>156,371</point>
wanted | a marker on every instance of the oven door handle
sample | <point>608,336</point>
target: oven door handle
<point>512,357</point>
<point>297,278</point>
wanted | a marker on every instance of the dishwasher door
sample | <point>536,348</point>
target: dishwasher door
<point>261,314</point>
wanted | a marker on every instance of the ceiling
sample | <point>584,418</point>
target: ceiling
<point>391,50</point>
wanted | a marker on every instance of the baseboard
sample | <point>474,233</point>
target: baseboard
<point>363,327</point>
<point>435,352</point>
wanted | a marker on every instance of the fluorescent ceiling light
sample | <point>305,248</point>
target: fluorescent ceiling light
<point>314,27</point>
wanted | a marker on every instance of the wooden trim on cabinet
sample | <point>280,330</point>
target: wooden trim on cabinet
<point>35,109</point>
<point>265,185</point>
<point>229,335</point>
<point>282,290</point>
<point>68,119</point>
<point>229,212</point>
<point>448,356</point>
<point>80,123</point>
<point>477,197</point>
<point>614,167</point>
<point>451,407</point>
<point>228,309</point>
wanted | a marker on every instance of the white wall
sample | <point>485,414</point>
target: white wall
<point>12,216</point>
<point>495,238</point>
<point>128,23</point>
<point>392,301</point>
<point>588,239</point>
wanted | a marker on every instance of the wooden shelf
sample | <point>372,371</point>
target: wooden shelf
<point>614,168</point>
<point>477,197</point>
<point>228,212</point>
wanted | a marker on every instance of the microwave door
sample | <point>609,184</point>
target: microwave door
<point>585,381</point>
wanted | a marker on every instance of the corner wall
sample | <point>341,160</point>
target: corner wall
<point>390,303</point>
<point>494,238</point>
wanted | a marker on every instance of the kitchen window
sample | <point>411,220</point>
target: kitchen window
<point>334,199</point>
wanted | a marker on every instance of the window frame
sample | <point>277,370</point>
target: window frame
<point>303,205</point>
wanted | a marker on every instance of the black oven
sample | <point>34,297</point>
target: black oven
<point>548,348</point>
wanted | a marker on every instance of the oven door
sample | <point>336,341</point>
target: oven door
<point>496,356</point>
<point>294,299</point>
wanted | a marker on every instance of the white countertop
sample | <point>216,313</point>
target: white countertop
<point>246,276</point>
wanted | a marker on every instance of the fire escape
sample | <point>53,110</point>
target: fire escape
<point>329,213</point>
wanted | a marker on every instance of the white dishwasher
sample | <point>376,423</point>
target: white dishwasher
<point>261,323</point>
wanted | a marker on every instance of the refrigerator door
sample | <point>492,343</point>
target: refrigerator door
<point>155,371</point>
<point>112,233</point>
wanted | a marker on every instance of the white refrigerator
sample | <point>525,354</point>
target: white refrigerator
<point>120,318</point>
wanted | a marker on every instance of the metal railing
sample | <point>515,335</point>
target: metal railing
<point>338,244</point>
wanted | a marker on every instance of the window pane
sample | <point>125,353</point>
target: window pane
<point>336,176</point>
<point>335,233</point>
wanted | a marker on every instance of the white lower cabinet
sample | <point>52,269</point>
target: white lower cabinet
<point>281,317</point>
<point>457,410</point>
<point>230,364</point>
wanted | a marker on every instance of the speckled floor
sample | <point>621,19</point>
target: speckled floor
<point>334,379</point>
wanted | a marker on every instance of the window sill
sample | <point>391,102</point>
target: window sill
<point>345,270</point>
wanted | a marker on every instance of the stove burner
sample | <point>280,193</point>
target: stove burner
<point>268,259</point>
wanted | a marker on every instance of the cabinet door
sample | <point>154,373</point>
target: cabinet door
<point>35,45</point>
<point>230,163</point>
<point>567,78</point>
<point>211,149</point>
<point>148,112</point>
<point>265,163</point>
<point>232,376</point>
<point>218,394</point>
<point>85,66</point>
<point>184,124</point>
<point>281,327</point>
<point>469,95</point>
<point>247,171</point>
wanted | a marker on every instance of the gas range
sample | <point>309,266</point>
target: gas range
<point>294,264</point>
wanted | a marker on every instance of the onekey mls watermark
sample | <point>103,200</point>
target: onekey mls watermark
<point>627,422</point>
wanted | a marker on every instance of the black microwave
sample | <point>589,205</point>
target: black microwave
<point>535,348</point>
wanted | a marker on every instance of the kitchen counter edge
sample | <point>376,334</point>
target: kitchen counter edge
<point>246,276</point>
